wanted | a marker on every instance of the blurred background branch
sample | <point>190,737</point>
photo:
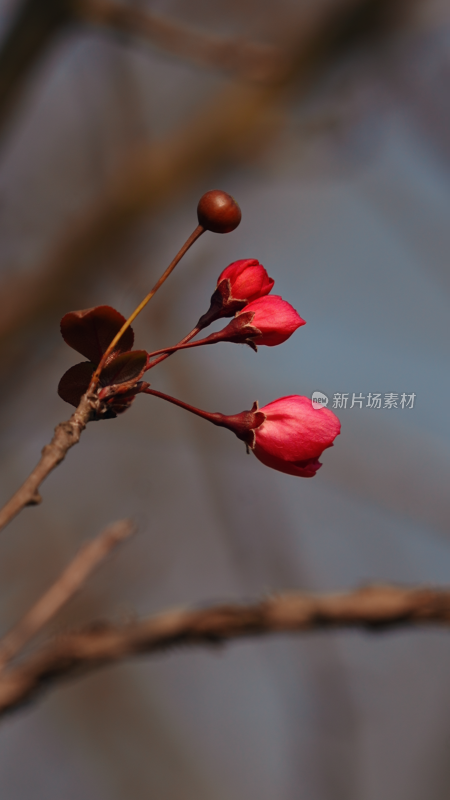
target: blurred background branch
<point>88,559</point>
<point>370,608</point>
<point>37,23</point>
<point>252,61</point>
<point>31,31</point>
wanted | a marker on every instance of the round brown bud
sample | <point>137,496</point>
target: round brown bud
<point>218,212</point>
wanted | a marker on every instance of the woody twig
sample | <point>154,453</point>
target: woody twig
<point>373,608</point>
<point>88,558</point>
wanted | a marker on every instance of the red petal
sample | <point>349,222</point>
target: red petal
<point>124,368</point>
<point>91,331</point>
<point>75,382</point>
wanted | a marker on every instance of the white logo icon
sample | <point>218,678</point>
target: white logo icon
<point>319,400</point>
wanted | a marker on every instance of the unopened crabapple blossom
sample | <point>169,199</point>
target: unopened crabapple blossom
<point>239,283</point>
<point>274,319</point>
<point>294,435</point>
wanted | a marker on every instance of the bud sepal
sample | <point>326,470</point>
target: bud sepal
<point>239,283</point>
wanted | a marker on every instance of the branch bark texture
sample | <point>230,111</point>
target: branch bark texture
<point>371,608</point>
<point>66,435</point>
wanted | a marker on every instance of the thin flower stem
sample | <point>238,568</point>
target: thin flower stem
<point>243,424</point>
<point>215,418</point>
<point>184,345</point>
<point>186,339</point>
<point>189,242</point>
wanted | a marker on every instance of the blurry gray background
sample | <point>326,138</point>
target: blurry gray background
<point>343,179</point>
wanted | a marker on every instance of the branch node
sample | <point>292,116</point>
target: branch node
<point>34,500</point>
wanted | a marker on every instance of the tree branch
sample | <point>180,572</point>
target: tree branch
<point>370,608</point>
<point>250,60</point>
<point>88,558</point>
<point>66,435</point>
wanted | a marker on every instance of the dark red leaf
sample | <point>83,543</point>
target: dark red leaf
<point>75,382</point>
<point>90,332</point>
<point>124,368</point>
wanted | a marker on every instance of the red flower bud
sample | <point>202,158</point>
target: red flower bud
<point>247,280</point>
<point>294,434</point>
<point>288,435</point>
<point>218,212</point>
<point>239,283</point>
<point>274,318</point>
<point>268,320</point>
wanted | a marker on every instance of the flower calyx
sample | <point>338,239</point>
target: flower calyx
<point>240,331</point>
<point>243,425</point>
